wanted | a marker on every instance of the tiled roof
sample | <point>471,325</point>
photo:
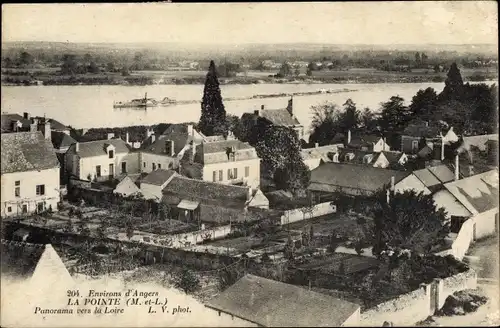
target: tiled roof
<point>271,303</point>
<point>479,141</point>
<point>54,124</point>
<point>217,151</point>
<point>318,152</point>
<point>427,178</point>
<point>158,177</point>
<point>442,173</point>
<point>178,133</point>
<point>478,193</point>
<point>98,147</point>
<point>358,155</point>
<point>421,130</point>
<point>204,190</point>
<point>19,258</point>
<point>362,177</point>
<point>279,117</point>
<point>7,119</point>
<point>61,139</point>
<point>392,156</point>
<point>27,151</point>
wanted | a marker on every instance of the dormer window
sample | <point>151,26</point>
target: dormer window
<point>367,159</point>
<point>111,153</point>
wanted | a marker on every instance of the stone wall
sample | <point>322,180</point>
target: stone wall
<point>408,309</point>
<point>485,224</point>
<point>300,214</point>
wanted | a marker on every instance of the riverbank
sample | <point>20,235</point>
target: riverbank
<point>144,78</point>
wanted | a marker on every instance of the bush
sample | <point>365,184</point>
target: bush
<point>187,281</point>
<point>462,302</point>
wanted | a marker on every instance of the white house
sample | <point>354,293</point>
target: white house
<point>101,160</point>
<point>30,174</point>
<point>386,158</point>
<point>164,151</point>
<point>126,187</point>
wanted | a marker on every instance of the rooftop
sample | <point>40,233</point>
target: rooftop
<point>158,177</point>
<point>275,304</point>
<point>478,193</point>
<point>98,147</point>
<point>61,139</point>
<point>330,176</point>
<point>27,151</point>
<point>279,117</point>
<point>204,190</point>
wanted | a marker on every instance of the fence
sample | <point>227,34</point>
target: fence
<point>199,236</point>
<point>409,308</point>
<point>306,213</point>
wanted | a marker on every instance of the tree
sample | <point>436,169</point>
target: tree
<point>410,221</point>
<point>110,67</point>
<point>281,158</point>
<point>418,60</point>
<point>187,281</point>
<point>93,68</point>
<point>453,83</point>
<point>394,118</point>
<point>423,104</point>
<point>129,229</point>
<point>350,117</point>
<point>368,120</point>
<point>325,123</point>
<point>164,212</point>
<point>69,65</point>
<point>25,58</point>
<point>285,70</point>
<point>213,114</point>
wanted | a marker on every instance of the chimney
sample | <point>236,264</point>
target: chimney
<point>290,106</point>
<point>169,147</point>
<point>316,145</point>
<point>111,135</point>
<point>426,123</point>
<point>442,148</point>
<point>34,121</point>
<point>153,137</point>
<point>193,151</point>
<point>77,147</point>
<point>385,142</point>
<point>471,170</point>
<point>348,136</point>
<point>26,115</point>
<point>190,130</point>
<point>393,183</point>
<point>126,137</point>
<point>457,171</point>
<point>256,113</point>
<point>149,133</point>
<point>33,127</point>
<point>262,107</point>
<point>46,131</point>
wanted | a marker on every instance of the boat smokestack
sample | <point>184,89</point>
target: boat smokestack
<point>457,171</point>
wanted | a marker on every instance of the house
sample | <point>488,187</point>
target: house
<point>61,141</point>
<point>165,151</point>
<point>417,131</point>
<point>313,157</point>
<point>30,174</point>
<point>26,122</point>
<point>203,201</point>
<point>127,186</point>
<point>479,141</point>
<point>223,160</point>
<point>385,159</point>
<point>153,183</point>
<point>474,197</point>
<point>359,180</point>
<point>268,303</point>
<point>101,160</point>
<point>369,142</point>
<point>279,117</point>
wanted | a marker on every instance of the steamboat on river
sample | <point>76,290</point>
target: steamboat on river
<point>145,102</point>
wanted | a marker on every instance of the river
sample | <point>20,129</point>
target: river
<point>92,106</point>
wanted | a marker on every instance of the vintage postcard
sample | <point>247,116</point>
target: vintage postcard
<point>249,164</point>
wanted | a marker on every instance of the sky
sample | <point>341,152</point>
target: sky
<point>419,22</point>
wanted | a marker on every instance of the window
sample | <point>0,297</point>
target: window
<point>247,171</point>
<point>235,173</point>
<point>414,145</point>
<point>40,207</point>
<point>214,177</point>
<point>221,175</point>
<point>231,157</point>
<point>18,189</point>
<point>229,174</point>
<point>144,164</point>
<point>111,153</point>
<point>124,167</point>
<point>159,165</point>
<point>9,209</point>
<point>98,171</point>
<point>25,208</point>
<point>153,165</point>
<point>40,190</point>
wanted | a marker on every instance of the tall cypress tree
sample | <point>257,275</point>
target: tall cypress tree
<point>453,84</point>
<point>213,114</point>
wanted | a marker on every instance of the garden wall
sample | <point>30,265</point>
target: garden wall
<point>196,237</point>
<point>485,224</point>
<point>408,309</point>
<point>305,213</point>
